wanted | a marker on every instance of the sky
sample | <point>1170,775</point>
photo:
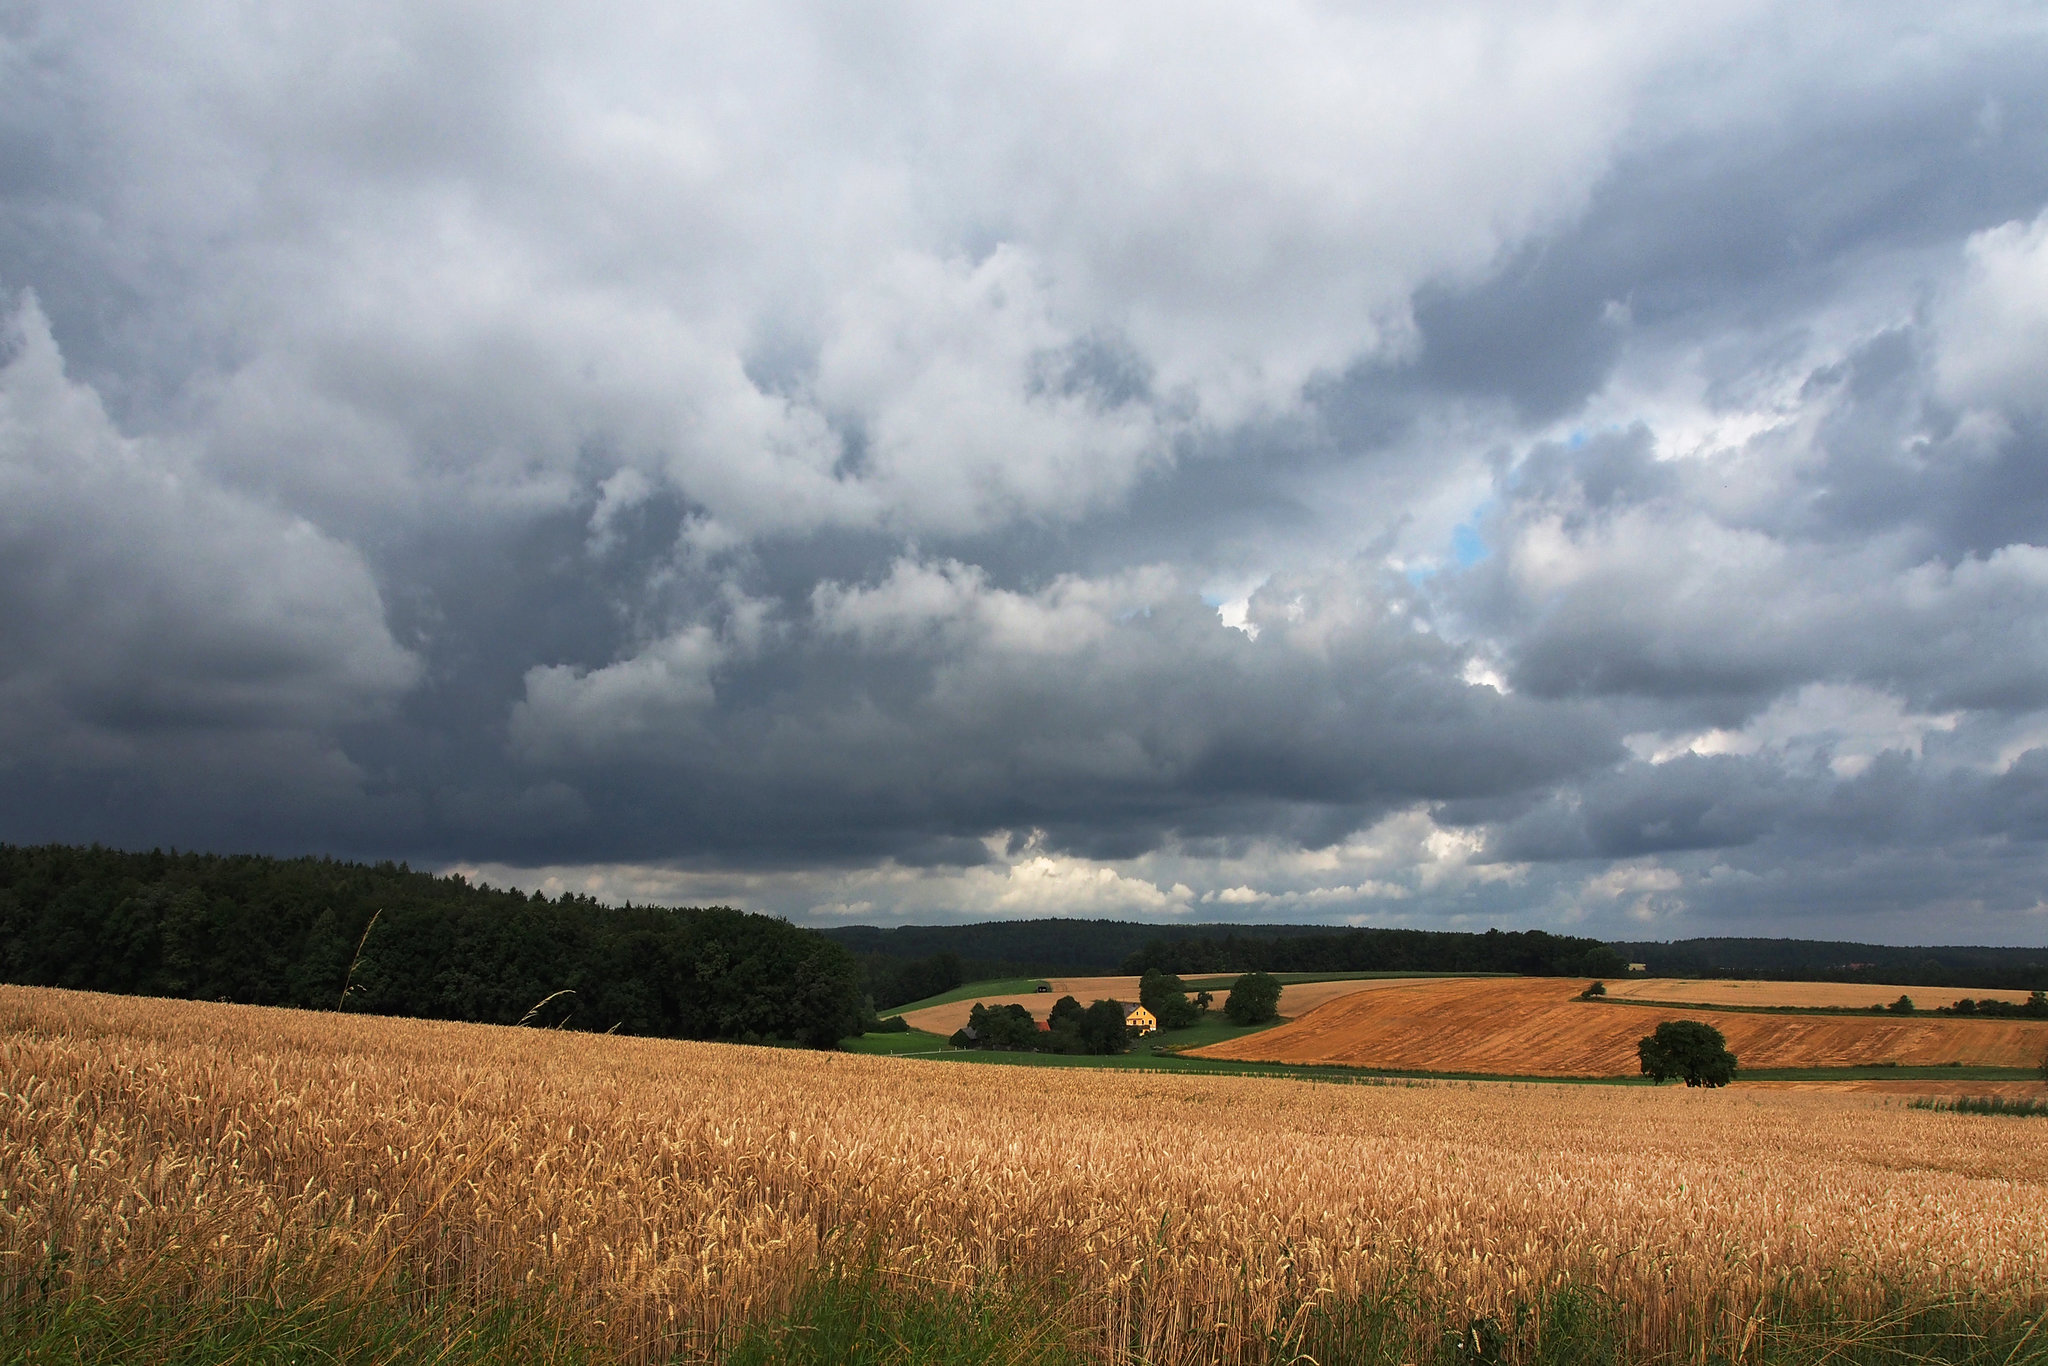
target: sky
<point>1563,466</point>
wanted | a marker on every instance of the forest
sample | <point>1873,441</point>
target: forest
<point>322,934</point>
<point>1530,953</point>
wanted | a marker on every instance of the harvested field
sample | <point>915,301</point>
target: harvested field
<point>1534,1026</point>
<point>1296,999</point>
<point>1851,995</point>
<point>675,1191</point>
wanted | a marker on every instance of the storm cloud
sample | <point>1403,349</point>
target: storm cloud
<point>1530,465</point>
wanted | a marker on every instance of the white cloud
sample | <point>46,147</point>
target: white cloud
<point>1994,323</point>
<point>637,708</point>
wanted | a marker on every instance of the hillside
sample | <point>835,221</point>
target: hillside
<point>1537,1027</point>
<point>329,935</point>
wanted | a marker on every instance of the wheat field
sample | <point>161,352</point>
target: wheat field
<point>672,1192</point>
<point>1536,1026</point>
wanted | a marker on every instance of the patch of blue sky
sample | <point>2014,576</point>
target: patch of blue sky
<point>1468,547</point>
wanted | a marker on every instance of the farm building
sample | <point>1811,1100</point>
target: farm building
<point>1140,1019</point>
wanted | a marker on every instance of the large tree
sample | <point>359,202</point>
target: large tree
<point>1254,999</point>
<point>1166,996</point>
<point>1688,1049</point>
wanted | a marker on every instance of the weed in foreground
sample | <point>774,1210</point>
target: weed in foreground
<point>306,1330</point>
<point>1982,1105</point>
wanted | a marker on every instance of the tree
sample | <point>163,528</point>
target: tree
<point>1594,991</point>
<point>1166,996</point>
<point>1066,1013</point>
<point>1689,1049</point>
<point>1254,999</point>
<point>1102,1028</point>
<point>1902,1006</point>
<point>1002,1026</point>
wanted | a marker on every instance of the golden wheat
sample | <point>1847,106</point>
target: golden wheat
<point>672,1191</point>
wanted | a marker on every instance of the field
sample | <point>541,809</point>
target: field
<point>1838,995</point>
<point>670,1198</point>
<point>1296,998</point>
<point>1534,1026</point>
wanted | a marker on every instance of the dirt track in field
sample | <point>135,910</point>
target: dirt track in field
<point>1534,1027</point>
<point>1841,994</point>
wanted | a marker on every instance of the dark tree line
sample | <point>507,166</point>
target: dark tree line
<point>1815,960</point>
<point>1072,1028</point>
<point>322,934</point>
<point>1531,953</point>
<point>2035,1007</point>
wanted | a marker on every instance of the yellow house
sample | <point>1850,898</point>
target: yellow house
<point>1140,1019</point>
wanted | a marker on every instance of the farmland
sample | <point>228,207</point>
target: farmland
<point>672,1197</point>
<point>1536,1027</point>
<point>1829,995</point>
<point>1296,998</point>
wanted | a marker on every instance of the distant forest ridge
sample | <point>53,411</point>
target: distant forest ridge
<point>935,958</point>
<point>322,934</point>
<point>1821,960</point>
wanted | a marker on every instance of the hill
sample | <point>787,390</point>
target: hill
<point>324,934</point>
<point>1822,960</point>
<point>909,962</point>
<point>1536,1027</point>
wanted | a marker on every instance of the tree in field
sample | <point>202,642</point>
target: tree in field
<point>1688,1049</point>
<point>1254,999</point>
<point>2044,1066</point>
<point>1166,996</point>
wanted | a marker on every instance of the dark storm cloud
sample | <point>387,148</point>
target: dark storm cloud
<point>1584,473</point>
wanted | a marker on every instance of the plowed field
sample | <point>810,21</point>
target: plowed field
<point>1296,999</point>
<point>1850,994</point>
<point>1533,1026</point>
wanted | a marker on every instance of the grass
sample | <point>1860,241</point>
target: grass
<point>972,991</point>
<point>1140,1059</point>
<point>906,1041</point>
<point>1143,1058</point>
<point>280,1327</point>
<point>861,1318</point>
<point>1147,1056</point>
<point>1288,979</point>
<point>1982,1105</point>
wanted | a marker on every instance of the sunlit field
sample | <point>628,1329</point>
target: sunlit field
<point>669,1197</point>
<point>1537,1026</point>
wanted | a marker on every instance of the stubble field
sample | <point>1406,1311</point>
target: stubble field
<point>1535,1026</point>
<point>1838,995</point>
<point>671,1194</point>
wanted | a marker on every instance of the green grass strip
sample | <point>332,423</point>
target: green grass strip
<point>1982,1105</point>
